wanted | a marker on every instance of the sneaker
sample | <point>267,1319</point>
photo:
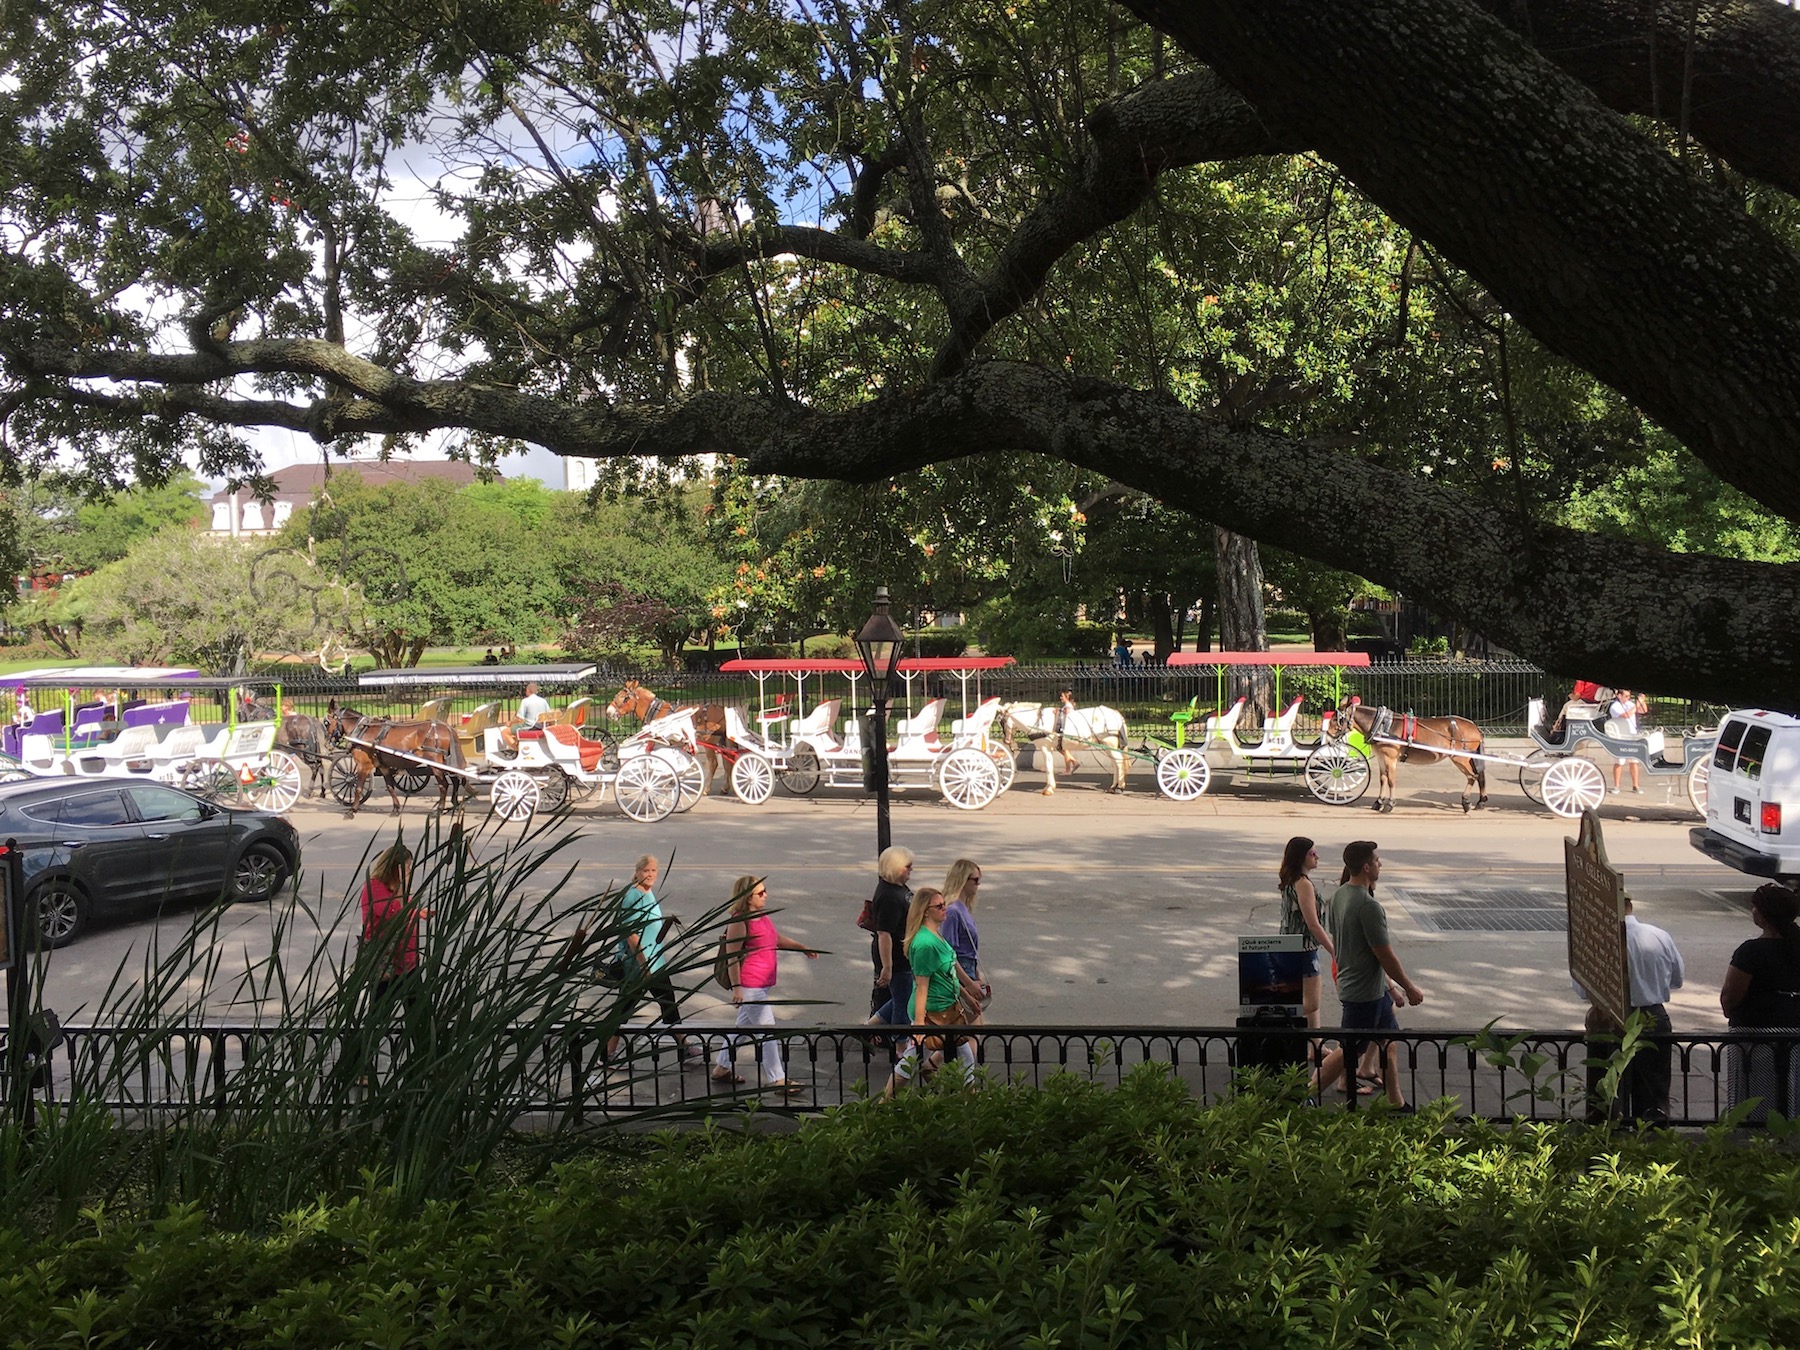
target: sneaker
<point>1637,792</point>
<point>1612,792</point>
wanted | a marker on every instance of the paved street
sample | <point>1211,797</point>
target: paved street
<point>1098,909</point>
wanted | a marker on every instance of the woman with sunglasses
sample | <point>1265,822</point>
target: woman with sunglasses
<point>962,888</point>
<point>751,945</point>
<point>939,990</point>
<point>1300,915</point>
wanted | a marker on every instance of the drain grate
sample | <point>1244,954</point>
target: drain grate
<point>1495,910</point>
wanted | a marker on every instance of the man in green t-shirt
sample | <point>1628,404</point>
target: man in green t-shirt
<point>1370,978</point>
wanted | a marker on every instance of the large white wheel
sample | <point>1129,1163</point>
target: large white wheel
<point>801,776</point>
<point>1336,774</point>
<point>690,774</point>
<point>514,795</point>
<point>968,779</point>
<point>1532,771</point>
<point>1006,763</point>
<point>1183,774</point>
<point>1574,785</point>
<point>752,779</point>
<point>553,789</point>
<point>646,788</point>
<point>278,783</point>
<point>1698,777</point>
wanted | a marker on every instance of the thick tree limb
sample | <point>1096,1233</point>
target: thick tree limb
<point>1595,239</point>
<point>1570,601</point>
<point>1738,85</point>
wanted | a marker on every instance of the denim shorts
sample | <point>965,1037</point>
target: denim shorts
<point>1374,1015</point>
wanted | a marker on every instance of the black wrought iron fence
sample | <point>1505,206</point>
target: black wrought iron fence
<point>1540,1076</point>
<point>1495,694</point>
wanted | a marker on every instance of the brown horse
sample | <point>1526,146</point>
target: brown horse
<point>414,745</point>
<point>634,700</point>
<point>303,737</point>
<point>1425,740</point>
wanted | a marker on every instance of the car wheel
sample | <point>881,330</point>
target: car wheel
<point>258,873</point>
<point>61,911</point>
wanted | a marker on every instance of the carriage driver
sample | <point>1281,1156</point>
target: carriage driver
<point>531,711</point>
<point>1065,704</point>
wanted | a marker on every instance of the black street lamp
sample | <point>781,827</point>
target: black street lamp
<point>880,641</point>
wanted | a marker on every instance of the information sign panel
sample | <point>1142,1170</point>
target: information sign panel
<point>1271,969</point>
<point>1596,896</point>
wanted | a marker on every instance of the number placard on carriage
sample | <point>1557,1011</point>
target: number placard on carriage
<point>1596,896</point>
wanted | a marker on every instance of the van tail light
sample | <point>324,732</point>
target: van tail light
<point>1771,817</point>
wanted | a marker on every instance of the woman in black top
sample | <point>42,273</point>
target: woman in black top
<point>887,948</point>
<point>1762,993</point>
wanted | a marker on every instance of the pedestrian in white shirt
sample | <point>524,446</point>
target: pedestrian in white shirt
<point>1623,712</point>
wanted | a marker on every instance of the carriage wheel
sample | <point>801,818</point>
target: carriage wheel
<point>216,783</point>
<point>553,788</point>
<point>752,779</point>
<point>690,774</point>
<point>410,781</point>
<point>514,796</point>
<point>278,785</point>
<point>1698,777</point>
<point>1336,774</point>
<point>1005,764</point>
<point>968,779</point>
<point>1532,771</point>
<point>1182,775</point>
<point>801,776</point>
<point>340,780</point>
<point>646,788</point>
<point>13,775</point>
<point>1574,785</point>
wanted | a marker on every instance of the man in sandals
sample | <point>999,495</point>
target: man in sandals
<point>1370,978</point>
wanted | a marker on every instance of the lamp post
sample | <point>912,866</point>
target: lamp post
<point>879,641</point>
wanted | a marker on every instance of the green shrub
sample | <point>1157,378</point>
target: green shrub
<point>939,641</point>
<point>1061,1216</point>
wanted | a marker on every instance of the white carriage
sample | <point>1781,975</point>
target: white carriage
<point>968,769</point>
<point>1185,770</point>
<point>649,776</point>
<point>140,727</point>
<point>1555,775</point>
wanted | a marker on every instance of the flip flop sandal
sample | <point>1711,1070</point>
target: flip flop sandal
<point>726,1077</point>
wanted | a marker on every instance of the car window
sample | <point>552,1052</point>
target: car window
<point>89,809</point>
<point>1729,739</point>
<point>1753,751</point>
<point>161,803</point>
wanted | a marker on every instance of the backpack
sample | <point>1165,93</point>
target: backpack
<point>722,962</point>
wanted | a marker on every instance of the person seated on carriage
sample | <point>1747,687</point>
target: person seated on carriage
<point>531,713</point>
<point>1587,702</point>
<point>490,659</point>
<point>23,716</point>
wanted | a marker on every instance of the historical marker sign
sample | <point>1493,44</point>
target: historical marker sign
<point>1596,895</point>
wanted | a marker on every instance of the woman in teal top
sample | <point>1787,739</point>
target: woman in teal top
<point>937,985</point>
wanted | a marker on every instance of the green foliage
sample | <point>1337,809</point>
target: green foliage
<point>1057,1216</point>
<point>938,642</point>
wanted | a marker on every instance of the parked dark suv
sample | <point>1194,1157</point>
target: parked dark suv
<point>94,847</point>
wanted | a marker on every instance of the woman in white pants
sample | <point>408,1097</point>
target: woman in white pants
<point>751,945</point>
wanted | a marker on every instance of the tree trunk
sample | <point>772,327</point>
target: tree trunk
<point>1329,630</point>
<point>1162,630</point>
<point>1242,627</point>
<point>1203,626</point>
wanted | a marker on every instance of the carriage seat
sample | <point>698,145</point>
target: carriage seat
<point>918,733</point>
<point>818,726</point>
<point>1653,740</point>
<point>435,710</point>
<point>469,733</point>
<point>738,732</point>
<point>1224,724</point>
<point>978,723</point>
<point>567,738</point>
<point>1279,731</point>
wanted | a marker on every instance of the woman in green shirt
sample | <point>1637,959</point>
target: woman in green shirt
<point>938,982</point>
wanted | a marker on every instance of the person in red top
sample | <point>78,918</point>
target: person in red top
<point>391,920</point>
<point>751,944</point>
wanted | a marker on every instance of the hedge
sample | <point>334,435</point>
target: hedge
<point>1063,1216</point>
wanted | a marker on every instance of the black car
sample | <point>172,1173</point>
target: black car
<point>99,846</point>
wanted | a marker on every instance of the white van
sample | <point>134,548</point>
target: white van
<point>1753,796</point>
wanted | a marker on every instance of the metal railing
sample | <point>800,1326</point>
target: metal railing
<point>1540,1076</point>
<point>1493,693</point>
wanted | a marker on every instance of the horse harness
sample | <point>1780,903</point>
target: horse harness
<point>1383,728</point>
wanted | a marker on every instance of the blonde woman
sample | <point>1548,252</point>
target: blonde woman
<point>892,991</point>
<point>962,887</point>
<point>751,944</point>
<point>641,955</point>
<point>939,989</point>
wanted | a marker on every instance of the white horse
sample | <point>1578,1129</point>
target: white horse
<point>1100,727</point>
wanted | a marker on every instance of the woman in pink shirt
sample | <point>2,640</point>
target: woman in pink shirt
<point>751,944</point>
<point>390,927</point>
